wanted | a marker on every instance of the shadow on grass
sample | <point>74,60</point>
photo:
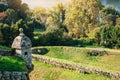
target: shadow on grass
<point>41,51</point>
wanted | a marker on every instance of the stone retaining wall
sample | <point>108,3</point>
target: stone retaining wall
<point>5,52</point>
<point>81,69</point>
<point>6,75</point>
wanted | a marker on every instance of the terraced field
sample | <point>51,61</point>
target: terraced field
<point>78,55</point>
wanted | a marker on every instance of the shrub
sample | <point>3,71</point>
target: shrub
<point>109,36</point>
<point>53,38</point>
<point>86,41</point>
<point>8,33</point>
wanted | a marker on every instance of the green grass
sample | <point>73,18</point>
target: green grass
<point>48,72</point>
<point>12,64</point>
<point>37,32</point>
<point>79,55</point>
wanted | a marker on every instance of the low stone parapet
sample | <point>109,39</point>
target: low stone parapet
<point>6,75</point>
<point>97,52</point>
<point>5,52</point>
<point>73,66</point>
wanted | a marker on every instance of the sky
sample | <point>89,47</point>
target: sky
<point>43,3</point>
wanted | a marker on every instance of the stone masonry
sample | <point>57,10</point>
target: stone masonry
<point>22,46</point>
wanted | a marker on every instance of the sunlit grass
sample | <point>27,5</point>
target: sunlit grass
<point>48,72</point>
<point>79,55</point>
<point>12,64</point>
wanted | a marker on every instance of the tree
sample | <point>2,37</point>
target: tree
<point>5,31</point>
<point>109,36</point>
<point>1,38</point>
<point>118,21</point>
<point>19,7</point>
<point>13,31</point>
<point>28,27</point>
<point>3,6</point>
<point>81,17</point>
<point>56,16</point>
<point>11,16</point>
<point>109,16</point>
<point>39,15</point>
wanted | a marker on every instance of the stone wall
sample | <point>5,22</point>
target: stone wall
<point>5,75</point>
<point>97,52</point>
<point>5,52</point>
<point>72,66</point>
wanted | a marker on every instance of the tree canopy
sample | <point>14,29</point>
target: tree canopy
<point>82,16</point>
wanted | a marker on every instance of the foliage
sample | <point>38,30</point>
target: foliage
<point>19,7</point>
<point>57,37</point>
<point>3,6</point>
<point>50,38</point>
<point>12,31</point>
<point>118,21</point>
<point>1,37</point>
<point>15,18</point>
<point>86,42</point>
<point>11,16</point>
<point>109,15</point>
<point>5,31</point>
<point>81,17</point>
<point>39,15</point>
<point>55,13</point>
<point>93,32</point>
<point>12,64</point>
<point>109,36</point>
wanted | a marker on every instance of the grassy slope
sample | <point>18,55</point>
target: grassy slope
<point>47,72</point>
<point>12,64</point>
<point>79,55</point>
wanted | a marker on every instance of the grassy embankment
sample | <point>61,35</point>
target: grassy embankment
<point>12,64</point>
<point>48,72</point>
<point>79,55</point>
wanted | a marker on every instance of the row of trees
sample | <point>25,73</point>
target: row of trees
<point>79,18</point>
<point>62,23</point>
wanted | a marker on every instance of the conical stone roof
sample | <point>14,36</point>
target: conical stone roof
<point>21,41</point>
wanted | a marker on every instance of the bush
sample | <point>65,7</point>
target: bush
<point>57,38</point>
<point>53,38</point>
<point>109,36</point>
<point>8,33</point>
<point>86,41</point>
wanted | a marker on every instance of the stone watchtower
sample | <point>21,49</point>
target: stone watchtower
<point>22,46</point>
